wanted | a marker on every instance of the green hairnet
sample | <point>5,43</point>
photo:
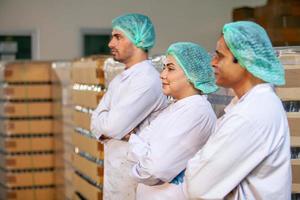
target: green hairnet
<point>195,62</point>
<point>138,28</point>
<point>251,46</point>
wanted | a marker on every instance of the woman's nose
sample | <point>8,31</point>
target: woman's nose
<point>163,74</point>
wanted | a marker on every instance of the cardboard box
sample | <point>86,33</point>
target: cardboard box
<point>294,123</point>
<point>292,74</point>
<point>10,162</point>
<point>22,179</point>
<point>58,127</point>
<point>67,114</point>
<point>295,141</point>
<point>68,173</point>
<point>28,194</point>
<point>60,193</point>
<point>86,189</point>
<point>68,153</point>
<point>290,58</point>
<point>59,149</point>
<point>76,197</point>
<point>88,99</point>
<point>67,133</point>
<point>288,94</point>
<point>89,168</point>
<point>70,191</point>
<point>27,144</point>
<point>67,95</point>
<point>59,177</point>
<point>88,72</point>
<point>27,72</point>
<point>88,145</point>
<point>57,109</point>
<point>296,175</point>
<point>19,127</point>
<point>82,119</point>
<point>22,92</point>
<point>58,160</point>
<point>220,100</point>
<point>56,91</point>
<point>32,109</point>
<point>61,72</point>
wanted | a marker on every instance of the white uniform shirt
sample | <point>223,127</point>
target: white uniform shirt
<point>130,98</point>
<point>248,156</point>
<point>161,150</point>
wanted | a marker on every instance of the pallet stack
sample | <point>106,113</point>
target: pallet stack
<point>290,96</point>
<point>63,128</point>
<point>26,130</point>
<point>88,88</point>
<point>282,21</point>
<point>220,99</point>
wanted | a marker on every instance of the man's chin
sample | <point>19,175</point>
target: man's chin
<point>116,58</point>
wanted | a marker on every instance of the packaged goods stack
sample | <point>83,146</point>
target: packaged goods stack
<point>290,96</point>
<point>26,130</point>
<point>220,99</point>
<point>281,22</point>
<point>63,128</point>
<point>88,88</point>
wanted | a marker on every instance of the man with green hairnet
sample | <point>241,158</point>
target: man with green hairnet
<point>132,96</point>
<point>247,156</point>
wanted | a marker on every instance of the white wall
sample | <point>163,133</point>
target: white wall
<point>58,22</point>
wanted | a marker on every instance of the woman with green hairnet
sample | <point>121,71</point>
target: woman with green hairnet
<point>161,150</point>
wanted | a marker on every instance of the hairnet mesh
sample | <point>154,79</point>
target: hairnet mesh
<point>195,62</point>
<point>138,28</point>
<point>251,46</point>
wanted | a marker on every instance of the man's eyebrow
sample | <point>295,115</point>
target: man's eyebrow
<point>116,34</point>
<point>219,53</point>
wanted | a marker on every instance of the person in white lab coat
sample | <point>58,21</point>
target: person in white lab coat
<point>132,96</point>
<point>161,150</point>
<point>248,155</point>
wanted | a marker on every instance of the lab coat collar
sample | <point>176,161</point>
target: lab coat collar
<point>134,68</point>
<point>260,88</point>
<point>196,97</point>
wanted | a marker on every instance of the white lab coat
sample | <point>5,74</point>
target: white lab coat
<point>247,157</point>
<point>131,97</point>
<point>161,150</point>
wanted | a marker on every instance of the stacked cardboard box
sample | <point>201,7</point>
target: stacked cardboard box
<point>63,127</point>
<point>26,130</point>
<point>290,95</point>
<point>220,99</point>
<point>88,88</point>
<point>281,22</point>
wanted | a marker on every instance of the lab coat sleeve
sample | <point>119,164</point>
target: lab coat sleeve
<point>136,104</point>
<point>165,157</point>
<point>139,149</point>
<point>103,107</point>
<point>235,150</point>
